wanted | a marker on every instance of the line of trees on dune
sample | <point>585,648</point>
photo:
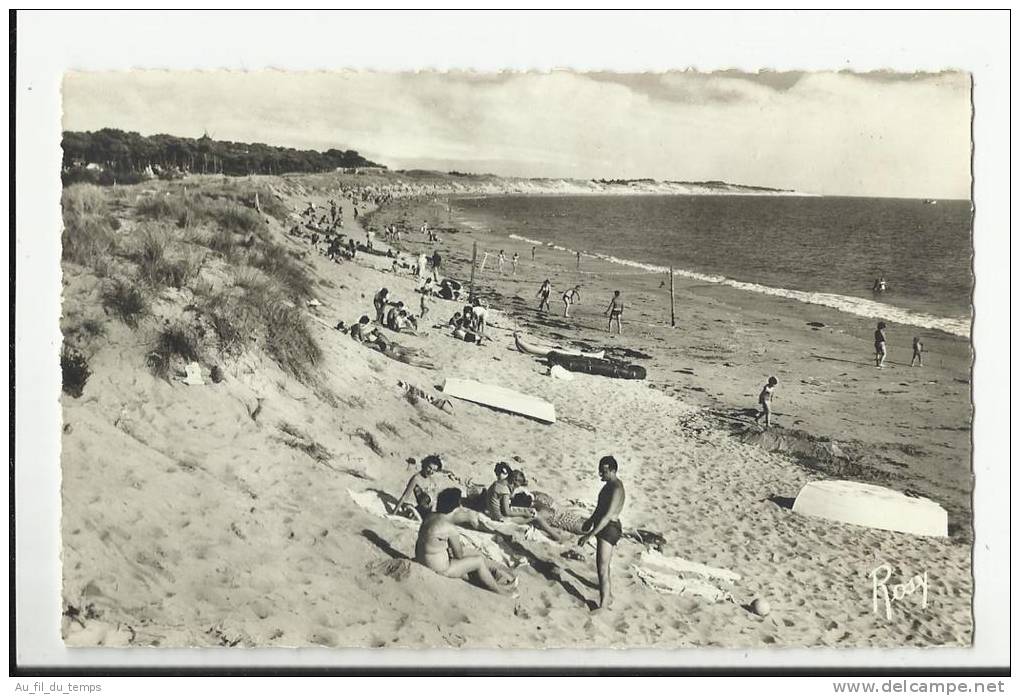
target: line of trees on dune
<point>111,155</point>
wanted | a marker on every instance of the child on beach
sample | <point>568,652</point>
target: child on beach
<point>615,311</point>
<point>765,401</point>
<point>543,295</point>
<point>569,298</point>
<point>918,349</point>
<point>424,306</point>
<point>500,261</point>
<point>880,344</point>
<point>514,261</point>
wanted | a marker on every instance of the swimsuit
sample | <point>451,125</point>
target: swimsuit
<point>611,533</point>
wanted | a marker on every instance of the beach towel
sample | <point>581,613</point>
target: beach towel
<point>672,575</point>
<point>668,583</point>
<point>372,502</point>
<point>656,560</point>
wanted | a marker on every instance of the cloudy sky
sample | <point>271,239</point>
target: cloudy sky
<point>875,134</point>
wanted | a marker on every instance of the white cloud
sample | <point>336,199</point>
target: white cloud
<point>824,132</point>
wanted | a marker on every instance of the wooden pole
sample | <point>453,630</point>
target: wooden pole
<point>474,256</point>
<point>672,302</point>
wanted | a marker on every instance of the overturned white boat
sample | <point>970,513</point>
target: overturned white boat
<point>872,506</point>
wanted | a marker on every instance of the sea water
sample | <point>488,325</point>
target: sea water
<point>820,250</point>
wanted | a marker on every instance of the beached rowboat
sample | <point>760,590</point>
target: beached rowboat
<point>872,506</point>
<point>543,351</point>
<point>595,366</point>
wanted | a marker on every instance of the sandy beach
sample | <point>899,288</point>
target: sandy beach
<point>222,513</point>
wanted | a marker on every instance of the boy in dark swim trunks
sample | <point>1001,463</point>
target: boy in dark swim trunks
<point>604,525</point>
<point>615,311</point>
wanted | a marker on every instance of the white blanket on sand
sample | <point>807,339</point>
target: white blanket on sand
<point>372,502</point>
<point>671,575</point>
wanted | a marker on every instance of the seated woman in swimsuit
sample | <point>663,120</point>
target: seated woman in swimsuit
<point>423,487</point>
<point>498,499</point>
<point>439,548</point>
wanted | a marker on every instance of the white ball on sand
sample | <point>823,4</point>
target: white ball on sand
<point>760,607</point>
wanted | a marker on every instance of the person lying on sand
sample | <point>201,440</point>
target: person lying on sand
<point>498,499</point>
<point>423,487</point>
<point>604,525</point>
<point>439,548</point>
<point>365,334</point>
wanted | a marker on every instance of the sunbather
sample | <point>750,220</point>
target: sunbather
<point>498,501</point>
<point>439,548</point>
<point>423,487</point>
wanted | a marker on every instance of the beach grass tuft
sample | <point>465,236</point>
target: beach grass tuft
<point>302,441</point>
<point>88,236</point>
<point>126,301</point>
<point>174,341</point>
<point>74,370</point>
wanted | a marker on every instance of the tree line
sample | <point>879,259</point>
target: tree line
<point>129,156</point>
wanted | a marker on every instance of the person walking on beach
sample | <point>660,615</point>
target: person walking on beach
<point>615,311</point>
<point>500,261</point>
<point>604,525</point>
<point>578,260</point>
<point>880,351</point>
<point>570,297</point>
<point>532,253</point>
<point>543,295</point>
<point>918,349</point>
<point>514,261</point>
<point>765,401</point>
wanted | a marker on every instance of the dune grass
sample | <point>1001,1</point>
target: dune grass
<point>126,301</point>
<point>74,370</point>
<point>155,265</point>
<point>261,303</point>
<point>174,341</point>
<point>88,237</point>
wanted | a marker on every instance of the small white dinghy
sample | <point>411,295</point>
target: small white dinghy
<point>501,398</point>
<point>872,506</point>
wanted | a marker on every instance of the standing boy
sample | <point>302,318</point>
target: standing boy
<point>615,311</point>
<point>765,401</point>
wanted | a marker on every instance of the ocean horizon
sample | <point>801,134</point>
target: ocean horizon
<point>824,250</point>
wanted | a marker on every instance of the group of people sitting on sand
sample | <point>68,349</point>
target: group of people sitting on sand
<point>390,314</point>
<point>469,324</point>
<point>500,508</point>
